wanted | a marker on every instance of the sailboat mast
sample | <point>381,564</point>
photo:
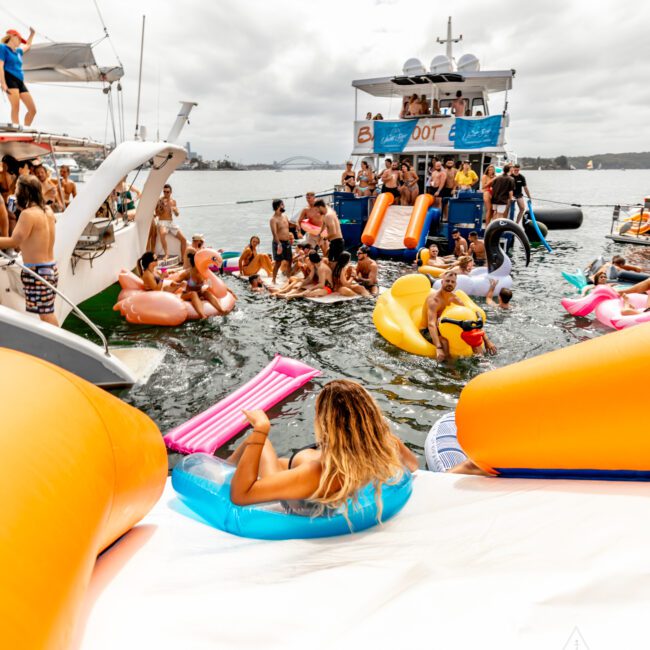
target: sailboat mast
<point>137,109</point>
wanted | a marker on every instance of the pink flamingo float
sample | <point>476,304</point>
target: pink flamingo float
<point>607,305</point>
<point>165,308</point>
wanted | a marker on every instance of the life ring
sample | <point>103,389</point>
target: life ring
<point>203,483</point>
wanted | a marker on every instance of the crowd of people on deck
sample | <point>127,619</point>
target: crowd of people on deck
<point>445,179</point>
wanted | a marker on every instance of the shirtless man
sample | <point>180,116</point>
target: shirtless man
<point>34,235</point>
<point>460,243</point>
<point>335,242</point>
<point>165,211</point>
<point>459,105</point>
<point>503,299</point>
<point>435,259</point>
<point>69,187</point>
<point>366,272</point>
<point>437,183</point>
<point>282,253</point>
<point>435,304</point>
<point>4,218</point>
<point>50,189</point>
<point>389,178</point>
<point>477,249</point>
<point>450,185</point>
<point>312,214</point>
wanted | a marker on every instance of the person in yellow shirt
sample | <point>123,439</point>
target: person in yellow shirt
<point>466,177</point>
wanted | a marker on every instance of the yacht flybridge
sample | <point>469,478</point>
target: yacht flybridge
<point>93,244</point>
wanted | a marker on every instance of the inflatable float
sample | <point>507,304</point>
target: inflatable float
<point>312,228</point>
<point>81,469</point>
<point>580,432</point>
<point>568,218</point>
<point>169,309</point>
<point>422,258</point>
<point>607,305</point>
<point>203,484</point>
<point>214,427</point>
<point>399,318</point>
<point>499,266</point>
<point>397,231</point>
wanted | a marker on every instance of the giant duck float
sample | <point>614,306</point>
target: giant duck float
<point>164,308</point>
<point>499,266</point>
<point>399,318</point>
<point>608,306</point>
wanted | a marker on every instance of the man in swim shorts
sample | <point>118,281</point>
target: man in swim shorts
<point>450,185</point>
<point>166,210</point>
<point>477,249</point>
<point>460,243</point>
<point>336,244</point>
<point>367,270</point>
<point>503,189</point>
<point>389,178</point>
<point>34,235</point>
<point>282,253</point>
<point>521,188</point>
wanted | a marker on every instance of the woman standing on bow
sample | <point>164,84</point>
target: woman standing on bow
<point>12,79</point>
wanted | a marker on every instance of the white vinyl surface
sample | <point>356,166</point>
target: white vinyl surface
<point>393,227</point>
<point>470,562</point>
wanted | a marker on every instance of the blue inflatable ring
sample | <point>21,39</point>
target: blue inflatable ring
<point>203,484</point>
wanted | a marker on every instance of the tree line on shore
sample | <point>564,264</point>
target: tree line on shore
<point>635,160</point>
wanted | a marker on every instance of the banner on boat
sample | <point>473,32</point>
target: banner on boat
<point>476,134</point>
<point>425,134</point>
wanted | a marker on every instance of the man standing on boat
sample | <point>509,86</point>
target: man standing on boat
<point>336,244</point>
<point>309,213</point>
<point>389,178</point>
<point>459,105</point>
<point>502,195</point>
<point>165,212</point>
<point>450,185</point>
<point>521,187</point>
<point>68,186</point>
<point>34,235</point>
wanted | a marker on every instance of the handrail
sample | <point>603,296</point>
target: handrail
<point>75,309</point>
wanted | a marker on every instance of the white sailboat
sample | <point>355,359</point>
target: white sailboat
<point>92,242</point>
<point>590,165</point>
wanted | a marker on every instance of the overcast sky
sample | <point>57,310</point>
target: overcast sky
<point>272,77</point>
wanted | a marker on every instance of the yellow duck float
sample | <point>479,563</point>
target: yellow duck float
<point>399,318</point>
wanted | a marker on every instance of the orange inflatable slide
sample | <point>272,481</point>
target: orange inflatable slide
<point>80,469</point>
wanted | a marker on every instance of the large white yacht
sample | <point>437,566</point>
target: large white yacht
<point>93,242</point>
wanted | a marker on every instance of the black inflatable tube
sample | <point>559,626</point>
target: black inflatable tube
<point>559,218</point>
<point>631,276</point>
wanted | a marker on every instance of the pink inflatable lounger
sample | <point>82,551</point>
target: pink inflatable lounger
<point>214,427</point>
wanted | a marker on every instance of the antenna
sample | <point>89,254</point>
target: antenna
<point>449,40</point>
<point>137,110</point>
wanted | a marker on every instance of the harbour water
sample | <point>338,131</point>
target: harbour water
<point>204,361</point>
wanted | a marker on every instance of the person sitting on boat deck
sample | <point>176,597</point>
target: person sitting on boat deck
<point>312,214</point>
<point>367,271</point>
<point>365,178</point>
<point>348,178</point>
<point>68,186</point>
<point>389,178</point>
<point>282,253</point>
<point>435,304</point>
<point>404,112</point>
<point>503,299</point>
<point>298,266</point>
<point>503,188</point>
<point>415,105</point>
<point>12,78</point>
<point>152,278</point>
<point>166,210</point>
<point>125,200</point>
<point>477,249</point>
<point>466,178</point>
<point>297,287</point>
<point>342,278</point>
<point>409,189</point>
<point>459,105</point>
<point>34,234</point>
<point>331,223</point>
<point>354,447</point>
<point>521,188</point>
<point>424,102</point>
<point>251,262</point>
<point>460,243</point>
<point>464,265</point>
<point>379,116</point>
<point>51,194</point>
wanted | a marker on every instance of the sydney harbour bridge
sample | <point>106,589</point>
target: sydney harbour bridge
<point>303,162</point>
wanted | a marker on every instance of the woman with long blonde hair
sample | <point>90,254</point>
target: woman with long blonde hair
<point>354,447</point>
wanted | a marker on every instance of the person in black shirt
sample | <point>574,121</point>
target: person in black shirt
<point>520,188</point>
<point>502,194</point>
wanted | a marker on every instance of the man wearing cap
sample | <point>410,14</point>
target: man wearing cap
<point>12,79</point>
<point>520,188</point>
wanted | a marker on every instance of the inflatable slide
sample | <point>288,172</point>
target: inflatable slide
<point>398,231</point>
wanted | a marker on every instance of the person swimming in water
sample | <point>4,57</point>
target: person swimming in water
<point>367,271</point>
<point>353,447</point>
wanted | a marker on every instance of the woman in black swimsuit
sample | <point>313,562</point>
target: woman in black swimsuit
<point>348,178</point>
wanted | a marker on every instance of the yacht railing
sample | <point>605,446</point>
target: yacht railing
<point>75,309</point>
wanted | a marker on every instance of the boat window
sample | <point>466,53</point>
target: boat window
<point>478,106</point>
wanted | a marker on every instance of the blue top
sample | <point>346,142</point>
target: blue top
<point>13,60</point>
